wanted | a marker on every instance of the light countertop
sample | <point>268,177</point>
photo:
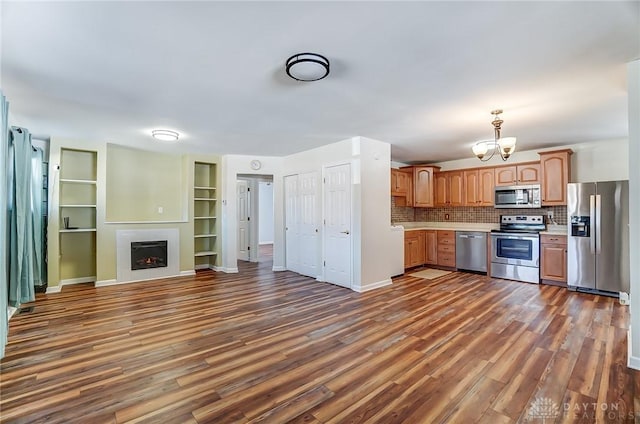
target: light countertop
<point>450,226</point>
<point>470,226</point>
<point>555,230</point>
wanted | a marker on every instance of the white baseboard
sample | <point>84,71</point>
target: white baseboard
<point>188,273</point>
<point>373,286</point>
<point>278,268</point>
<point>265,242</point>
<point>105,283</point>
<point>11,311</point>
<point>68,282</point>
<point>80,280</point>
<point>205,266</point>
<point>226,270</point>
<point>632,361</point>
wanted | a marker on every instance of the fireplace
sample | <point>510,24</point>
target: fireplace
<point>148,254</point>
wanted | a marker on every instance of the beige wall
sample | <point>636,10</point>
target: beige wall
<point>144,186</point>
<point>105,246</point>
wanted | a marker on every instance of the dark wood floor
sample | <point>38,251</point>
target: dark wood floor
<point>276,347</point>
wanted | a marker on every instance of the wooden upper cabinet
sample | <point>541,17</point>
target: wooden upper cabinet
<point>471,187</point>
<point>478,187</point>
<point>525,173</point>
<point>402,186</point>
<point>556,173</point>
<point>423,185</point>
<point>528,173</point>
<point>449,188</point>
<point>486,185</point>
<point>441,183</point>
<point>456,188</point>
<point>505,175</point>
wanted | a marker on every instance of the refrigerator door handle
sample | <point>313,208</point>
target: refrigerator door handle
<point>598,224</point>
<point>592,223</point>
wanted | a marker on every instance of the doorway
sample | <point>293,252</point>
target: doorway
<point>255,217</point>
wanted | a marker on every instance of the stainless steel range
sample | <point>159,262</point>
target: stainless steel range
<point>515,248</point>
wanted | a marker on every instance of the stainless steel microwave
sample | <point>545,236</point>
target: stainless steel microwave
<point>520,196</point>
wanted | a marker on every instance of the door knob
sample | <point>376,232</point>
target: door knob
<point>344,232</point>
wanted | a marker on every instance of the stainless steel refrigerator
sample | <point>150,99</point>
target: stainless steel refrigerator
<point>598,237</point>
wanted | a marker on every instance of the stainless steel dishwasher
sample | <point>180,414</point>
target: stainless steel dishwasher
<point>471,250</point>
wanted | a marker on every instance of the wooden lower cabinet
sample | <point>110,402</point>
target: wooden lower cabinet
<point>431,247</point>
<point>414,248</point>
<point>446,248</point>
<point>553,259</point>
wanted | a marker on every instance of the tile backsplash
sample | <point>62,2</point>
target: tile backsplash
<point>485,215</point>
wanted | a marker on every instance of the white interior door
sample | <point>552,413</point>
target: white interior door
<point>309,224</point>
<point>337,229</point>
<point>243,220</point>
<point>291,223</point>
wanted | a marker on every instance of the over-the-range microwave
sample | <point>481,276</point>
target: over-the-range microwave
<point>520,196</point>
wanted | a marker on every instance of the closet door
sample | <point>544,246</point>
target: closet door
<point>309,224</point>
<point>291,223</point>
<point>302,223</point>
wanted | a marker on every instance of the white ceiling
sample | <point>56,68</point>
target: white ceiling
<point>422,76</point>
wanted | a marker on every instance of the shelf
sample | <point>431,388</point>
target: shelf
<point>206,199</point>
<point>204,217</point>
<point>204,235</point>
<point>206,253</point>
<point>66,180</point>
<point>204,188</point>
<point>77,206</point>
<point>79,230</point>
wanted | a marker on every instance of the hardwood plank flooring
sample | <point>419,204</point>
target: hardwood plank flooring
<point>267,347</point>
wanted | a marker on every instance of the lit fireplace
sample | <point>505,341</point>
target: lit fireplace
<point>148,254</point>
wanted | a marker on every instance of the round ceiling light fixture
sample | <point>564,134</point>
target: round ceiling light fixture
<point>165,135</point>
<point>307,67</point>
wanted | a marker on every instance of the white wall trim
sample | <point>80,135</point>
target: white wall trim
<point>54,289</point>
<point>105,283</point>
<point>632,361</point>
<point>227,270</point>
<point>188,273</point>
<point>278,268</point>
<point>11,311</point>
<point>373,286</point>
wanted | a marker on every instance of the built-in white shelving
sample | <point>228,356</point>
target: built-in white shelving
<point>77,209</point>
<point>205,215</point>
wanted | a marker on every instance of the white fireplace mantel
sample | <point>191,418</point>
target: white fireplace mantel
<point>124,238</point>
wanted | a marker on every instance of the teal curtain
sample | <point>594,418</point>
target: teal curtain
<point>22,256</point>
<point>4,240</point>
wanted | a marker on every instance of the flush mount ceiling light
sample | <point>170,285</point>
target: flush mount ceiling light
<point>165,135</point>
<point>505,146</point>
<point>307,67</point>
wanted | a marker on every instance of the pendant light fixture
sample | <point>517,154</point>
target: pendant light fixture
<point>505,146</point>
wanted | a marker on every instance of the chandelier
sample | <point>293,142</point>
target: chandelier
<point>505,146</point>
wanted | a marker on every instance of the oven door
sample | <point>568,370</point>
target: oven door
<point>515,249</point>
